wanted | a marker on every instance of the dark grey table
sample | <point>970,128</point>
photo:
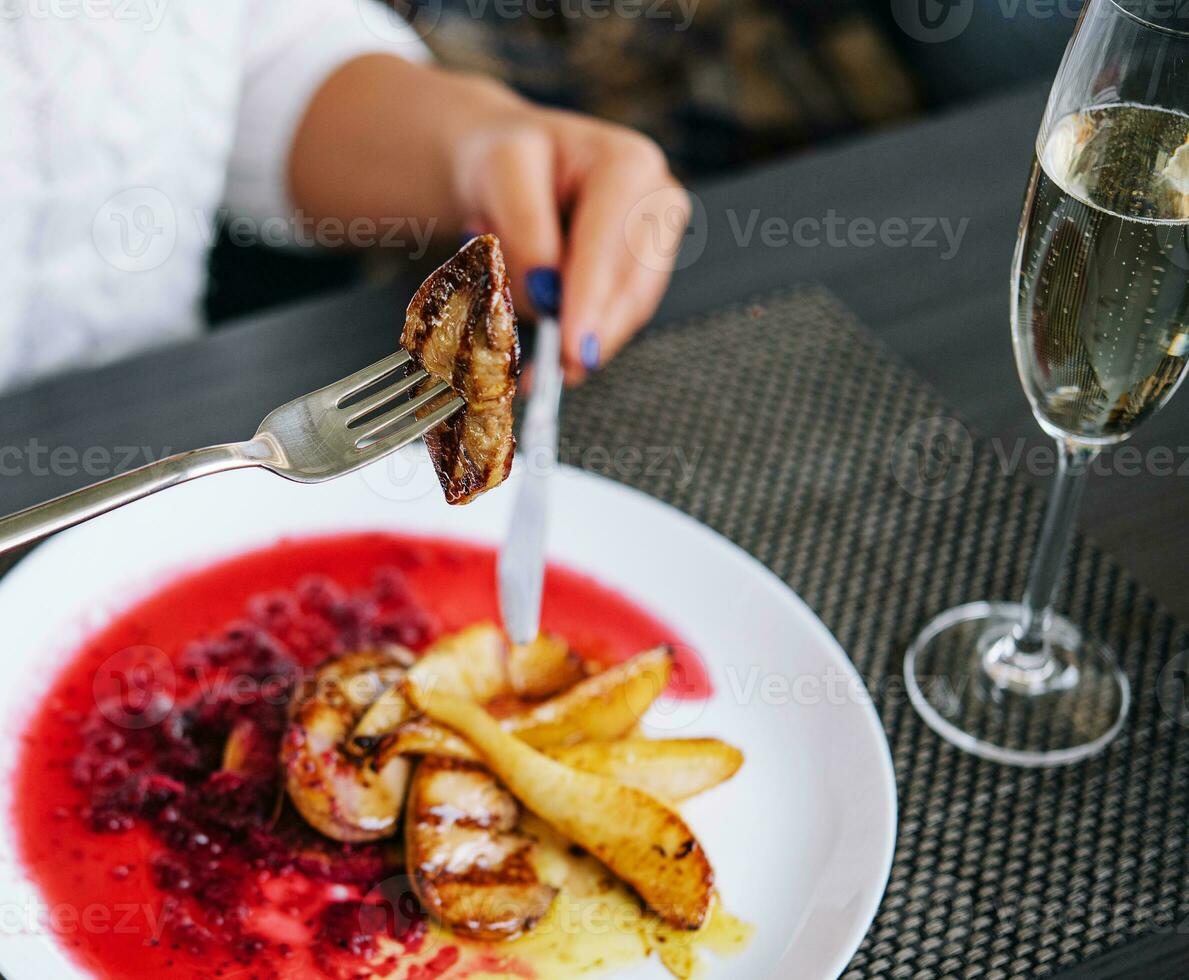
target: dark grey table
<point>912,228</point>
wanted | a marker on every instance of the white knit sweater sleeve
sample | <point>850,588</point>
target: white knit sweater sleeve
<point>290,47</point>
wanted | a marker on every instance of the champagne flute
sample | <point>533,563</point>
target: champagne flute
<point>1100,328</point>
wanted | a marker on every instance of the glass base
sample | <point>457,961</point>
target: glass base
<point>1062,709</point>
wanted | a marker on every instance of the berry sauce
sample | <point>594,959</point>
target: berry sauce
<point>154,860</point>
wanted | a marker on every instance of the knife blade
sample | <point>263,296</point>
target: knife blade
<point>521,566</point>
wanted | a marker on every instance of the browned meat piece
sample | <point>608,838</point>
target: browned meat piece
<point>460,327</point>
<point>469,866</point>
<point>345,797</point>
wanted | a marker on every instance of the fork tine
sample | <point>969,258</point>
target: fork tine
<point>385,395</point>
<point>369,375</point>
<point>414,430</point>
<point>376,426</point>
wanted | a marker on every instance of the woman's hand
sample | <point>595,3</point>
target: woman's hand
<point>595,202</point>
<point>564,192</point>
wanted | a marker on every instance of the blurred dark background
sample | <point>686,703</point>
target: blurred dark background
<point>720,84</point>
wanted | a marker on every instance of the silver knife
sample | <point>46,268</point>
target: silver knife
<point>522,560</point>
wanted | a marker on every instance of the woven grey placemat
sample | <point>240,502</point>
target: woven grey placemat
<point>784,425</point>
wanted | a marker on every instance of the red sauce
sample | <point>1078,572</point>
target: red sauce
<point>155,863</point>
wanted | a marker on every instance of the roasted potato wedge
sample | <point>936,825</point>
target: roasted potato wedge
<point>645,842</point>
<point>474,663</point>
<point>542,668</point>
<point>600,708</point>
<point>421,736</point>
<point>468,864</point>
<point>469,663</point>
<point>669,769</point>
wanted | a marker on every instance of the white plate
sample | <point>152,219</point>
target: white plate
<point>802,838</point>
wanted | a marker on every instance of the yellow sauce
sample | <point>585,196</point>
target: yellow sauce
<point>596,926</point>
<point>681,952</point>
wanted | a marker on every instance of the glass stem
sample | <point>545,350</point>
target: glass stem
<point>1073,465</point>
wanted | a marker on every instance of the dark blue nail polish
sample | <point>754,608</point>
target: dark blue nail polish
<point>588,351</point>
<point>544,289</point>
<point>466,236</point>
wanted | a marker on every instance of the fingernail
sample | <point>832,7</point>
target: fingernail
<point>544,289</point>
<point>588,351</point>
<point>466,236</point>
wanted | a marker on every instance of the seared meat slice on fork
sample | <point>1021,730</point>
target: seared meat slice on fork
<point>461,329</point>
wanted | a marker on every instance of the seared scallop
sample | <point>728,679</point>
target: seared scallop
<point>469,865</point>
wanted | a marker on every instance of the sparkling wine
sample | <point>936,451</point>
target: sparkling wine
<point>1101,311</point>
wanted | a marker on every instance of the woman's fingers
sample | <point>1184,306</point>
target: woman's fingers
<point>627,224</point>
<point>626,218</point>
<point>508,182</point>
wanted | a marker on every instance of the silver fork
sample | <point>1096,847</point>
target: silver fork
<point>317,437</point>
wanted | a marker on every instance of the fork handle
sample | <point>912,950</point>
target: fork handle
<point>34,523</point>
